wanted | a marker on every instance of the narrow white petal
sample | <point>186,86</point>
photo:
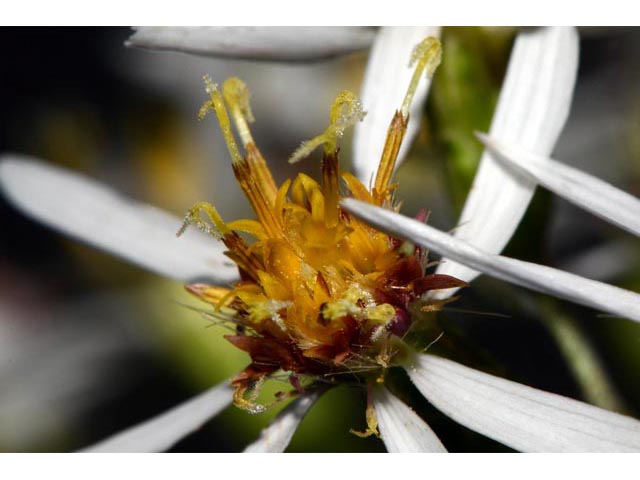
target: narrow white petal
<point>603,262</point>
<point>385,83</point>
<point>162,432</point>
<point>591,293</point>
<point>401,428</point>
<point>582,189</point>
<point>276,437</point>
<point>519,416</point>
<point>531,111</point>
<point>256,43</point>
<point>92,213</point>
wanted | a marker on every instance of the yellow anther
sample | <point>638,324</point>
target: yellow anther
<point>346,110</point>
<point>371,417</point>
<point>245,397</point>
<point>351,303</point>
<point>425,56</point>
<point>217,104</point>
<point>193,217</point>
<point>269,309</point>
<point>380,314</point>
<point>236,96</point>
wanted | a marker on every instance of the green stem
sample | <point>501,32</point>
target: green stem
<point>582,359</point>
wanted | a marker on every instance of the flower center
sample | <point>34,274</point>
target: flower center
<point>321,294</point>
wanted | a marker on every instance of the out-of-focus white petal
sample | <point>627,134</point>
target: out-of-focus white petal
<point>582,189</point>
<point>402,430</point>
<point>385,83</point>
<point>162,432</point>
<point>276,437</point>
<point>519,416</point>
<point>287,44</point>
<point>531,111</point>
<point>603,262</point>
<point>54,359</point>
<point>540,278</point>
<point>92,213</point>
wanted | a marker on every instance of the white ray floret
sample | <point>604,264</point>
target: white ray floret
<point>386,79</point>
<point>581,189</point>
<point>402,430</point>
<point>519,416</point>
<point>584,291</point>
<point>92,213</point>
<point>256,43</point>
<point>162,432</point>
<point>276,437</point>
<point>531,111</point>
<point>603,262</point>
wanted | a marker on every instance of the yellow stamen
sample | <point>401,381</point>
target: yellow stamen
<point>193,217</point>
<point>371,417</point>
<point>345,112</point>
<point>330,188</point>
<point>252,172</point>
<point>359,303</point>
<point>252,227</point>
<point>269,309</point>
<point>395,134</point>
<point>245,396</point>
<point>427,54</point>
<point>260,170</point>
<point>239,250</point>
<point>217,104</point>
<point>218,296</point>
<point>260,195</point>
<point>236,96</point>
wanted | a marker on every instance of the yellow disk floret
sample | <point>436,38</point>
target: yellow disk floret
<point>321,293</point>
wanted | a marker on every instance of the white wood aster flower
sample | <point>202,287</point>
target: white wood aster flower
<point>529,117</point>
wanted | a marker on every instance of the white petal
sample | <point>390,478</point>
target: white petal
<point>276,437</point>
<point>256,43</point>
<point>531,111</point>
<point>401,428</point>
<point>603,262</point>
<point>92,213</point>
<point>591,293</point>
<point>582,189</point>
<point>385,83</point>
<point>162,432</point>
<point>54,374</point>
<point>519,416</point>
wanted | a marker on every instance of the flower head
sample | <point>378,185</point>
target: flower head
<point>322,294</point>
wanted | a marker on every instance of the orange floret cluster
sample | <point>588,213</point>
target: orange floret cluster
<point>321,293</point>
